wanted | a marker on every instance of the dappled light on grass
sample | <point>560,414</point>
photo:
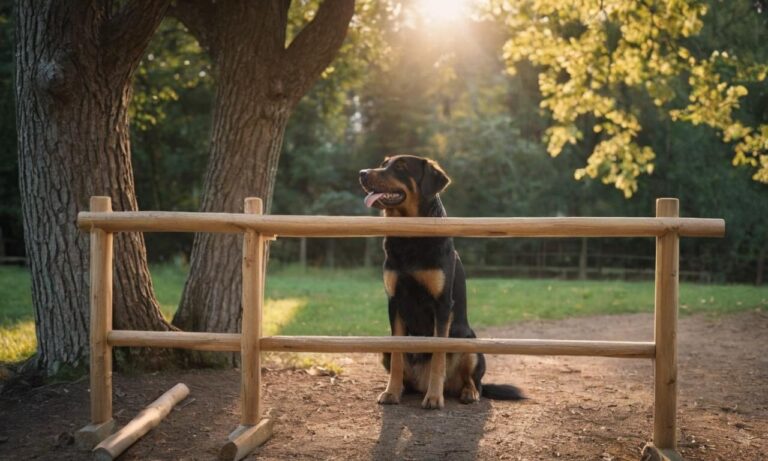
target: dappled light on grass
<point>280,312</point>
<point>17,341</point>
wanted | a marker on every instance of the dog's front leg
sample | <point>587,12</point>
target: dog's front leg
<point>434,398</point>
<point>394,390</point>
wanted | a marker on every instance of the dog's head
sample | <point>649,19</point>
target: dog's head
<point>403,184</point>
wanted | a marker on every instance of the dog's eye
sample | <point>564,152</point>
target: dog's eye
<point>400,165</point>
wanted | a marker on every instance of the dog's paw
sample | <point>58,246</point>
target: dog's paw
<point>469,395</point>
<point>388,398</point>
<point>433,402</point>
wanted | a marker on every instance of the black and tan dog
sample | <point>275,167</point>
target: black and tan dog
<point>425,283</point>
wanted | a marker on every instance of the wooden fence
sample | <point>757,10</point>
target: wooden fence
<point>255,428</point>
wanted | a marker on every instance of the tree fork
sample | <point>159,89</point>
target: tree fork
<point>259,82</point>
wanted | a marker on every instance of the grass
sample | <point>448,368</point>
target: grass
<point>352,302</point>
<point>17,321</point>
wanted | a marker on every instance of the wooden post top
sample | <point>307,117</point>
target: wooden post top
<point>253,205</point>
<point>667,207</point>
<point>101,203</point>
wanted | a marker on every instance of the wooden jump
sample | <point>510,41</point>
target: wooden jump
<point>255,426</point>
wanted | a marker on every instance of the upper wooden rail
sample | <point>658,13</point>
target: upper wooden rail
<point>370,226</point>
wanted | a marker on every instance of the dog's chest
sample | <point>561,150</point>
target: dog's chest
<point>417,267</point>
<point>408,254</point>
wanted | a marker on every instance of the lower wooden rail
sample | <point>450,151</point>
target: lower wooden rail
<point>230,342</point>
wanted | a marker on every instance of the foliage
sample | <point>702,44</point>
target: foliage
<point>10,207</point>
<point>597,59</point>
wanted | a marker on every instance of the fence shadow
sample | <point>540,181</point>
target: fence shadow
<point>410,432</point>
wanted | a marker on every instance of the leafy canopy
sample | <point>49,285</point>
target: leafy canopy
<point>599,60</point>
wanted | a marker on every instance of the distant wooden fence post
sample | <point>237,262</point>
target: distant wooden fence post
<point>102,423</point>
<point>665,330</point>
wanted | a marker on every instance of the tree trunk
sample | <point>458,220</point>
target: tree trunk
<point>73,84</point>
<point>258,82</point>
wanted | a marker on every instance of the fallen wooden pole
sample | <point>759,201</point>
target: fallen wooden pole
<point>371,226</point>
<point>230,342</point>
<point>149,417</point>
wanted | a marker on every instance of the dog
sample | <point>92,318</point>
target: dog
<point>426,287</point>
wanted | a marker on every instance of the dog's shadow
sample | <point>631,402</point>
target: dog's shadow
<point>410,432</point>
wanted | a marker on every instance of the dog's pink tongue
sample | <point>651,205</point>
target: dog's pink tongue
<point>371,198</point>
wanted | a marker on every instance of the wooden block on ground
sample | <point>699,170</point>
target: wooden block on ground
<point>653,453</point>
<point>245,439</point>
<point>92,434</point>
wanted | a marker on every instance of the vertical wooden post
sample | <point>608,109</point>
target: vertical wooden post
<point>102,423</point>
<point>253,298</point>
<point>665,331</point>
<point>253,430</point>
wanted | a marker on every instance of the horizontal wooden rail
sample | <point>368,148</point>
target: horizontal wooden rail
<point>230,342</point>
<point>362,226</point>
<point>204,341</point>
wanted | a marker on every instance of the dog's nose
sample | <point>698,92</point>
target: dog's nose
<point>363,174</point>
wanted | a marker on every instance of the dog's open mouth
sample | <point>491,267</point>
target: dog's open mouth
<point>383,198</point>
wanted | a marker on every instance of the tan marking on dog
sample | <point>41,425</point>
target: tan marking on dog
<point>434,398</point>
<point>394,390</point>
<point>469,392</point>
<point>458,377</point>
<point>432,279</point>
<point>454,380</point>
<point>410,206</point>
<point>390,282</point>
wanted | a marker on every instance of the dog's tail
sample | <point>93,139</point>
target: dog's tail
<point>502,392</point>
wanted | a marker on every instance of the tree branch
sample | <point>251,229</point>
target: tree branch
<point>197,16</point>
<point>315,46</point>
<point>126,34</point>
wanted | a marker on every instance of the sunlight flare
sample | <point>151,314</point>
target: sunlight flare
<point>442,11</point>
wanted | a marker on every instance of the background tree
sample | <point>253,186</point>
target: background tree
<point>74,65</point>
<point>11,232</point>
<point>170,127</point>
<point>258,82</point>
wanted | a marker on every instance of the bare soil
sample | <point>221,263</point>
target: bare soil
<point>578,408</point>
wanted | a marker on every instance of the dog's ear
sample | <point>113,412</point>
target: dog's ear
<point>434,180</point>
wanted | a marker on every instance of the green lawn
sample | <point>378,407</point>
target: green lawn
<point>352,302</point>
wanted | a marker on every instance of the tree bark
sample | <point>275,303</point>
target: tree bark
<point>75,61</point>
<point>259,81</point>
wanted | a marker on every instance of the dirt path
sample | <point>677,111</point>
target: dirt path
<point>579,408</point>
